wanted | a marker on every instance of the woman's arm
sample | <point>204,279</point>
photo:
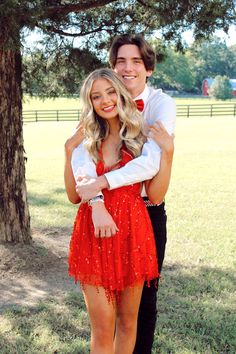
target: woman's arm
<point>69,179</point>
<point>104,225</point>
<point>157,187</point>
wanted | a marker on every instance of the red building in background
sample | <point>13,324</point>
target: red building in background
<point>206,84</point>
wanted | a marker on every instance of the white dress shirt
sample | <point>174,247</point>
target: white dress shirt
<point>158,106</point>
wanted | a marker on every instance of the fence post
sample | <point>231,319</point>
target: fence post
<point>57,116</point>
<point>211,109</point>
<point>234,109</point>
<point>36,116</point>
<point>188,111</point>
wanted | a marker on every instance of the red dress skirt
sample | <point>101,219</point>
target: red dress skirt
<point>124,260</point>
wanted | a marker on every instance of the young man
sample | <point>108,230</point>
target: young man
<point>133,60</point>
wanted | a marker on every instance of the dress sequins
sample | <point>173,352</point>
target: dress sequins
<point>124,260</point>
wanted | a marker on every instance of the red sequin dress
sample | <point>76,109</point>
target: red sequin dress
<point>120,261</point>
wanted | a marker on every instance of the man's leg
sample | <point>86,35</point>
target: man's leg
<point>147,311</point>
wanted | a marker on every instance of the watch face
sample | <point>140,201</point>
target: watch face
<point>98,198</point>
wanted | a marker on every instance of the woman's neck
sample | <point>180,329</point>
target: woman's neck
<point>114,128</point>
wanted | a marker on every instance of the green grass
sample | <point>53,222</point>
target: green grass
<point>201,100</point>
<point>44,146</point>
<point>61,103</point>
<point>197,294</point>
<point>34,103</point>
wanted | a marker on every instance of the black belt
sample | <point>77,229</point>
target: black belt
<point>150,204</point>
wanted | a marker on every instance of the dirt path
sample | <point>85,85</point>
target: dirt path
<point>35,272</point>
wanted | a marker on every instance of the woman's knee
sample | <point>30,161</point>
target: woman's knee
<point>126,322</point>
<point>103,327</point>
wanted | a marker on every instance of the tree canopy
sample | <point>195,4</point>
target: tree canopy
<point>185,72</point>
<point>99,20</point>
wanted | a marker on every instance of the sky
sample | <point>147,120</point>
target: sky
<point>229,38</point>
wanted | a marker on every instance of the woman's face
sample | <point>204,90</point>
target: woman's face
<point>104,99</point>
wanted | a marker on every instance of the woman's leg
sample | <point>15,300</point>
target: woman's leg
<point>126,320</point>
<point>102,320</point>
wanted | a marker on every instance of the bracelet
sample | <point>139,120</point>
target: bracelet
<point>98,198</point>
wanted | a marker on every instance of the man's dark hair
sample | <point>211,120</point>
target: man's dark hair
<point>147,53</point>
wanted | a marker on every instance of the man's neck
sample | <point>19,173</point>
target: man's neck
<point>141,95</point>
<point>136,93</point>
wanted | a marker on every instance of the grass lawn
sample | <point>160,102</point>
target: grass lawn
<point>34,103</point>
<point>197,293</point>
<point>61,103</point>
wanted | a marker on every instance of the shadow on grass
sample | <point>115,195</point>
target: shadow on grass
<point>42,200</point>
<point>49,327</point>
<point>195,316</point>
<point>196,311</point>
<point>33,272</point>
<point>60,191</point>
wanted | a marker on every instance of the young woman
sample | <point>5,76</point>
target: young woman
<point>111,263</point>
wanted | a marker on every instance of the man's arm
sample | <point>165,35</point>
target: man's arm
<point>82,163</point>
<point>156,188</point>
<point>139,169</point>
<point>162,108</point>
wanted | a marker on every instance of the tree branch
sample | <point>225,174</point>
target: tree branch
<point>82,6</point>
<point>144,4</point>
<point>68,34</point>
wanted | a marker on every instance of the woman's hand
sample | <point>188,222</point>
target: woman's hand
<point>88,187</point>
<point>160,135</point>
<point>104,225</point>
<point>76,139</point>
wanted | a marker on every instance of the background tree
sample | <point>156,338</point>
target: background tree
<point>96,21</point>
<point>221,88</point>
<point>212,58</point>
<point>185,71</point>
<point>55,74</point>
<point>174,72</point>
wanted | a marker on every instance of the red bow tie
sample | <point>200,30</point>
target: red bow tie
<point>139,104</point>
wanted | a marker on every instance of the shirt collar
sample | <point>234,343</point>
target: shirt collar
<point>143,95</point>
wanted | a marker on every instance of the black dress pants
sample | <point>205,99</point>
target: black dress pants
<point>148,312</point>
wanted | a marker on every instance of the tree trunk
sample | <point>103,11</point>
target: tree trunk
<point>14,212</point>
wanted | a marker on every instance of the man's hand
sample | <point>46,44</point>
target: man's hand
<point>104,225</point>
<point>87,187</point>
<point>75,139</point>
<point>160,135</point>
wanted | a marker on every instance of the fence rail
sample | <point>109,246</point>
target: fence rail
<point>51,115</point>
<point>191,110</point>
<point>206,110</point>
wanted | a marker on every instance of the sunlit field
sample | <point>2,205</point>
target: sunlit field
<point>34,103</point>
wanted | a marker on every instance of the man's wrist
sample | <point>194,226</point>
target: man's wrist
<point>102,182</point>
<point>168,155</point>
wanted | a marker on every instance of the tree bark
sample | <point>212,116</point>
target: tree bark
<point>14,212</point>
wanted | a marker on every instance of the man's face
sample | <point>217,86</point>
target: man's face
<point>130,67</point>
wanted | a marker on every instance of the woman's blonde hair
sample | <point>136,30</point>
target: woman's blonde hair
<point>97,129</point>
